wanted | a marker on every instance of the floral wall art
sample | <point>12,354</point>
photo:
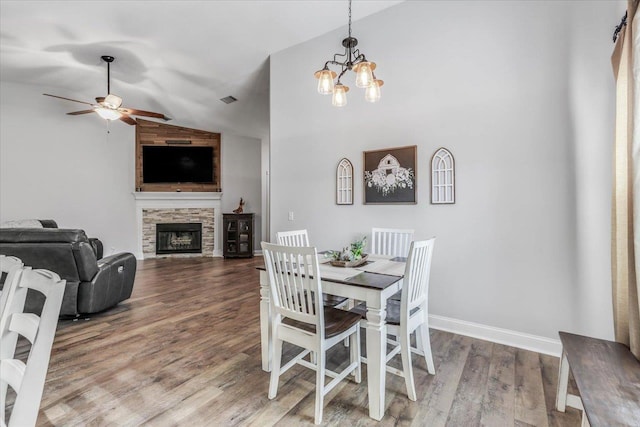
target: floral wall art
<point>390,175</point>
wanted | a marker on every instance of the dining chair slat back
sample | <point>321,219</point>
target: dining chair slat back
<point>300,238</point>
<point>417,272</point>
<point>294,275</point>
<point>293,238</point>
<point>27,379</point>
<point>390,241</point>
<point>10,270</point>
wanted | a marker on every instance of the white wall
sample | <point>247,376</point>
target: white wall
<point>66,168</point>
<point>69,169</point>
<point>241,177</point>
<point>266,190</point>
<point>522,94</point>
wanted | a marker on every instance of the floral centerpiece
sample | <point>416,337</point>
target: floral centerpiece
<point>350,256</point>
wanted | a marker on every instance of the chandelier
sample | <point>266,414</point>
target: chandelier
<point>352,59</point>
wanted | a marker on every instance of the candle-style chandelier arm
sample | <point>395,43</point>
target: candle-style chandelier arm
<point>359,57</point>
<point>348,63</point>
<point>340,55</point>
<point>352,57</point>
<point>344,70</point>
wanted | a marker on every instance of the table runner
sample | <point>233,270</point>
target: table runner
<point>327,271</point>
<point>384,267</point>
<point>380,264</point>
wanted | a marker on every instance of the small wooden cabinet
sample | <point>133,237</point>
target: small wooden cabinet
<point>238,235</point>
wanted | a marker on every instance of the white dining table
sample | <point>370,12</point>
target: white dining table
<point>372,283</point>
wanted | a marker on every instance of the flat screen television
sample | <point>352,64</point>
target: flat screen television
<point>170,164</point>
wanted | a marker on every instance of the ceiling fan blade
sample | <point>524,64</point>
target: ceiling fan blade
<point>135,112</point>
<point>125,118</point>
<point>76,113</point>
<point>67,99</point>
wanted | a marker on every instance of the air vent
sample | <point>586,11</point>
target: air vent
<point>228,99</point>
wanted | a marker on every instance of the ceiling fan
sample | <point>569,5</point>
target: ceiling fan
<point>110,107</point>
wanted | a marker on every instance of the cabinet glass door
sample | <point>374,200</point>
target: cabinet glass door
<point>243,235</point>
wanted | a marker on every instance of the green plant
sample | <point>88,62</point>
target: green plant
<point>353,252</point>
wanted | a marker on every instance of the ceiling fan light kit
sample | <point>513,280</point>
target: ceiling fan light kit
<point>112,101</point>
<point>352,59</point>
<point>108,113</point>
<point>110,107</point>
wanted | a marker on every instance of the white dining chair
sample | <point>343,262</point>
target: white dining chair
<point>300,238</point>
<point>410,314</point>
<point>10,270</point>
<point>299,317</point>
<point>27,379</point>
<point>293,238</point>
<point>390,241</point>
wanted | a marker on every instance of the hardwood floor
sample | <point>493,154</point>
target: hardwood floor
<point>185,350</point>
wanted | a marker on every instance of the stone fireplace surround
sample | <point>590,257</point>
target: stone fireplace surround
<point>171,207</point>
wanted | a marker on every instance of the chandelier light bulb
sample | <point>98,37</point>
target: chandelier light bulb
<point>372,93</point>
<point>340,95</point>
<point>364,73</point>
<point>108,114</point>
<point>325,81</point>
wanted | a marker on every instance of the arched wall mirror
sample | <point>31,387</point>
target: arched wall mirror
<point>344,183</point>
<point>443,186</point>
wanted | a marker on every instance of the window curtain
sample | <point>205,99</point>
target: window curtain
<point>625,213</point>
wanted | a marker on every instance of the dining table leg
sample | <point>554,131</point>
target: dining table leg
<point>376,355</point>
<point>265,321</point>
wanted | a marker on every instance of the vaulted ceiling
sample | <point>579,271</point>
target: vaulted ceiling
<point>174,57</point>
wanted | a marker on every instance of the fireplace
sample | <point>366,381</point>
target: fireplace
<point>184,238</point>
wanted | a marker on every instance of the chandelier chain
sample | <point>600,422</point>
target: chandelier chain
<point>349,18</point>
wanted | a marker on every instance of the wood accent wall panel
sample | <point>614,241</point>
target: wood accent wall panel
<point>154,133</point>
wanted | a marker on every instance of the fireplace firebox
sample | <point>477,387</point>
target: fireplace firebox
<point>183,238</point>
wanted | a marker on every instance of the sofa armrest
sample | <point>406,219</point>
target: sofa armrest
<point>113,283</point>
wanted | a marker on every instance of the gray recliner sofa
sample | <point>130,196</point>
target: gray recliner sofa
<point>93,284</point>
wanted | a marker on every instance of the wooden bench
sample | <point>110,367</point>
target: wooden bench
<point>608,378</point>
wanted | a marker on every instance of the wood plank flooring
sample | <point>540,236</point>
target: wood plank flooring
<point>185,351</point>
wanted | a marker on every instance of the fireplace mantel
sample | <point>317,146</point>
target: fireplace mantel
<point>176,196</point>
<point>177,200</point>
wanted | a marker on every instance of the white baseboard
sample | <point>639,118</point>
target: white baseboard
<point>257,253</point>
<point>508,337</point>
